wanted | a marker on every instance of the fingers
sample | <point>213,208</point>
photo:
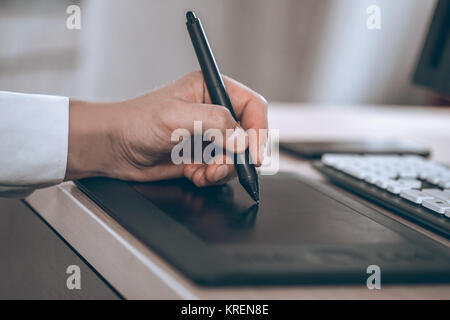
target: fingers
<point>251,109</point>
<point>214,122</point>
<point>215,173</point>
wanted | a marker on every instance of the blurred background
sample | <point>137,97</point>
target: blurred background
<point>288,50</point>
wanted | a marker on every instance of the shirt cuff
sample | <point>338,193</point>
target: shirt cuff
<point>34,132</point>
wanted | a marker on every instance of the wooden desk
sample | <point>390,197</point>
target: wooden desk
<point>137,272</point>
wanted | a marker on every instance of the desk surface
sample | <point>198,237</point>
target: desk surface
<point>137,272</point>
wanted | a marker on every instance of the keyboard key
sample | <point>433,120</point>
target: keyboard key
<point>371,178</point>
<point>355,172</point>
<point>437,205</point>
<point>396,189</point>
<point>413,183</point>
<point>389,174</point>
<point>330,160</point>
<point>384,183</point>
<point>434,179</point>
<point>424,175</point>
<point>433,173</point>
<point>403,184</point>
<point>415,196</point>
<point>408,174</point>
<point>437,193</point>
<point>444,183</point>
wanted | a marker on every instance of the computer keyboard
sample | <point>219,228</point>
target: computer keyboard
<point>412,186</point>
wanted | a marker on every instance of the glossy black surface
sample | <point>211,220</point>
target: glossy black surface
<point>290,212</point>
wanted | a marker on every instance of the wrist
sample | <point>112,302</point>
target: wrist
<point>90,140</point>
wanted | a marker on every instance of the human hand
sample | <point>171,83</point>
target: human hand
<point>131,140</point>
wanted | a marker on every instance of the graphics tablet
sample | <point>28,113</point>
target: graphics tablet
<point>302,232</point>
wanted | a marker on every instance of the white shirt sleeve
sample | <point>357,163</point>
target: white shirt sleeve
<point>34,133</point>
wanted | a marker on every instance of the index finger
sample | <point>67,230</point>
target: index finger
<point>251,109</point>
<point>249,106</point>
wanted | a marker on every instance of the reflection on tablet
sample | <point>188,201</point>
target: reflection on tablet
<point>290,212</point>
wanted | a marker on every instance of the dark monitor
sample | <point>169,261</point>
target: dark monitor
<point>433,69</point>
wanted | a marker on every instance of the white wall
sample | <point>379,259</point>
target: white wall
<point>359,65</point>
<point>289,50</point>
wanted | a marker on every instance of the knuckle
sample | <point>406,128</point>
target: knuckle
<point>220,117</point>
<point>225,116</point>
<point>196,75</point>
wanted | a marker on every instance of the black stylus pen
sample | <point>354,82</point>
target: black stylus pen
<point>246,171</point>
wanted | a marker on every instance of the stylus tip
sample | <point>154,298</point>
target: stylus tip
<point>252,188</point>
